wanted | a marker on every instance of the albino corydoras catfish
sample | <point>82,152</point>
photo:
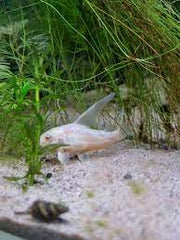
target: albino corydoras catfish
<point>78,138</point>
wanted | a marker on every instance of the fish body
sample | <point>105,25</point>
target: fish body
<point>77,138</point>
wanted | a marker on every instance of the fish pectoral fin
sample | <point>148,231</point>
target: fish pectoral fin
<point>63,157</point>
<point>83,157</point>
<point>67,149</point>
<point>89,117</point>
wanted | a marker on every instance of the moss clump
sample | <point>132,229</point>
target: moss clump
<point>101,223</point>
<point>90,194</point>
<point>137,187</point>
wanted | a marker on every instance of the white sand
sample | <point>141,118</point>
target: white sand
<point>103,205</point>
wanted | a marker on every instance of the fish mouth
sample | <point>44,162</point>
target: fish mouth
<point>42,143</point>
<point>54,146</point>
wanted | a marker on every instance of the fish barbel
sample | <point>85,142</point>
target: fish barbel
<point>77,138</point>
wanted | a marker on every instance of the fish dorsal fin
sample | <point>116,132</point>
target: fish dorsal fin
<point>89,117</point>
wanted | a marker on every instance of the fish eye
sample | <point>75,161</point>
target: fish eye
<point>47,137</point>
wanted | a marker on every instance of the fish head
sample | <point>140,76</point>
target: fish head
<point>51,137</point>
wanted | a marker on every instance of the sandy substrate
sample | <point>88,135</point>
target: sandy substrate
<point>123,193</point>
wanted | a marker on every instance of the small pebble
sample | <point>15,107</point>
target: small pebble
<point>174,147</point>
<point>38,182</point>
<point>44,159</point>
<point>127,176</point>
<point>48,175</point>
<point>165,147</point>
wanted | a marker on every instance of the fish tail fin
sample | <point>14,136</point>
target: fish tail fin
<point>122,133</point>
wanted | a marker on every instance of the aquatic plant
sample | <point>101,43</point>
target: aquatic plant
<point>21,111</point>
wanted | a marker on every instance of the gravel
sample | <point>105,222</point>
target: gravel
<point>124,192</point>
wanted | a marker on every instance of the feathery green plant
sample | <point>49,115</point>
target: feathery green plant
<point>20,90</point>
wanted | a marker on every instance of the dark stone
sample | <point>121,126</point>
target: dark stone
<point>44,159</point>
<point>48,175</point>
<point>174,147</point>
<point>127,176</point>
<point>165,147</point>
<point>38,182</point>
<point>35,231</point>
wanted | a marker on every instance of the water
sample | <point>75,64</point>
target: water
<point>7,236</point>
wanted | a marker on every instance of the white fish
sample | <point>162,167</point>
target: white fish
<point>77,138</point>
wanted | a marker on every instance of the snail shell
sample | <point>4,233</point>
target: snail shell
<point>45,211</point>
